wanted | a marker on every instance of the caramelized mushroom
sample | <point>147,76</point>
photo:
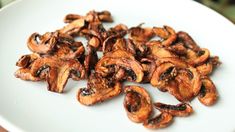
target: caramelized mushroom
<point>187,40</point>
<point>167,34</point>
<point>207,95</point>
<point>139,34</point>
<point>74,27</point>
<point>149,66</point>
<point>113,40</point>
<point>133,69</point>
<point>160,121</point>
<point>176,77</point>
<point>25,74</point>
<point>137,103</point>
<point>58,71</point>
<point>182,109</point>
<point>198,58</point>
<point>26,60</point>
<point>90,59</point>
<point>207,67</point>
<point>42,44</point>
<point>98,90</point>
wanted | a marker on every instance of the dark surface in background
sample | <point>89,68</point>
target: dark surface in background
<point>224,7</point>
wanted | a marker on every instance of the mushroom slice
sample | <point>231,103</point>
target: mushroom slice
<point>157,51</point>
<point>116,39</point>
<point>98,90</point>
<point>70,51</point>
<point>105,16</point>
<point>95,42</point>
<point>167,34</point>
<point>160,121</point>
<point>149,66</point>
<point>178,49</point>
<point>119,54</point>
<point>182,109</point>
<point>71,17</point>
<point>176,77</point>
<point>197,58</point>
<point>58,71</point>
<point>187,40</point>
<point>140,34</point>
<point>133,70</point>
<point>118,29</point>
<point>208,66</point>
<point>137,103</point>
<point>42,44</point>
<point>26,60</point>
<point>74,27</point>
<point>25,74</point>
<point>90,59</point>
<point>207,95</point>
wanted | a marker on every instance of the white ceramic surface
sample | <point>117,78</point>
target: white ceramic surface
<point>27,106</point>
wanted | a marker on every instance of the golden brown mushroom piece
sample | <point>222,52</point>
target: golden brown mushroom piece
<point>42,44</point>
<point>74,27</point>
<point>26,60</point>
<point>108,66</point>
<point>188,41</point>
<point>98,90</point>
<point>166,33</point>
<point>149,66</point>
<point>137,103</point>
<point>25,74</point>
<point>58,71</point>
<point>160,121</point>
<point>139,34</point>
<point>90,59</point>
<point>176,77</point>
<point>207,67</point>
<point>208,94</point>
<point>182,109</point>
<point>197,58</point>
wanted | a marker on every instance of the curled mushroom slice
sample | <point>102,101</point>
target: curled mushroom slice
<point>176,77</point>
<point>157,51</point>
<point>160,121</point>
<point>178,49</point>
<point>26,60</point>
<point>42,44</point>
<point>197,58</point>
<point>118,29</point>
<point>182,109</point>
<point>105,16</point>
<point>90,59</point>
<point>167,34</point>
<point>98,90</point>
<point>133,69</point>
<point>187,40</point>
<point>116,39</point>
<point>25,74</point>
<point>58,71</point>
<point>74,27</point>
<point>140,34</point>
<point>137,103</point>
<point>207,67</point>
<point>71,17</point>
<point>149,66</point>
<point>207,95</point>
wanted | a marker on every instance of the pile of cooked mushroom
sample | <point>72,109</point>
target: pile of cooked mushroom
<point>170,61</point>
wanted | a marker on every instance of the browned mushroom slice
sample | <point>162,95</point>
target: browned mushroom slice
<point>119,54</point>
<point>137,103</point>
<point>105,16</point>
<point>160,121</point>
<point>58,71</point>
<point>25,74</point>
<point>95,42</point>
<point>116,39</point>
<point>197,58</point>
<point>42,44</point>
<point>90,59</point>
<point>187,40</point>
<point>71,17</point>
<point>133,70</point>
<point>157,51</point>
<point>98,90</point>
<point>69,51</point>
<point>140,34</point>
<point>178,49</point>
<point>167,34</point>
<point>207,95</point>
<point>208,66</point>
<point>74,27</point>
<point>176,77</point>
<point>182,109</point>
<point>26,60</point>
<point>149,66</point>
<point>118,29</point>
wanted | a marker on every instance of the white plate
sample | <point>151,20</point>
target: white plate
<point>29,106</point>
